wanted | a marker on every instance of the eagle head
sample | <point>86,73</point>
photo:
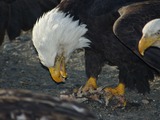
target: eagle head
<point>55,36</point>
<point>151,36</point>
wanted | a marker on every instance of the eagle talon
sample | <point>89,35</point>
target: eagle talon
<point>121,99</point>
<point>90,85</point>
<point>117,92</point>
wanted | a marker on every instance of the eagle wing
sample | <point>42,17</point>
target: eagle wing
<point>17,15</point>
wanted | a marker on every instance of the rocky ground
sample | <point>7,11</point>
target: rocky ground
<point>20,69</point>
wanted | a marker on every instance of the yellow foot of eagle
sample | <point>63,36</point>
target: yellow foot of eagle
<point>117,92</point>
<point>90,85</point>
<point>92,92</point>
<point>89,90</point>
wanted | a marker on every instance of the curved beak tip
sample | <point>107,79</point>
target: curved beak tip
<point>141,52</point>
<point>141,47</point>
<point>58,71</point>
<point>57,76</point>
<point>58,79</point>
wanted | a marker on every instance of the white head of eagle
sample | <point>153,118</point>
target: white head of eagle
<point>55,36</point>
<point>151,36</point>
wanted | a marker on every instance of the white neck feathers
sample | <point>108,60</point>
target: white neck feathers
<point>152,27</point>
<point>55,33</point>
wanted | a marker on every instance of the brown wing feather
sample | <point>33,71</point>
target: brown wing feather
<point>128,28</point>
<point>17,15</point>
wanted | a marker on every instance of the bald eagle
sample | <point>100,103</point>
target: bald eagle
<point>26,105</point>
<point>151,36</point>
<point>17,15</point>
<point>108,30</point>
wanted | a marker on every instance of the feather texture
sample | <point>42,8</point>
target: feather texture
<point>55,33</point>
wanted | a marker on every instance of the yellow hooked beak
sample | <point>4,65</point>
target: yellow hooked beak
<point>58,72</point>
<point>145,43</point>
